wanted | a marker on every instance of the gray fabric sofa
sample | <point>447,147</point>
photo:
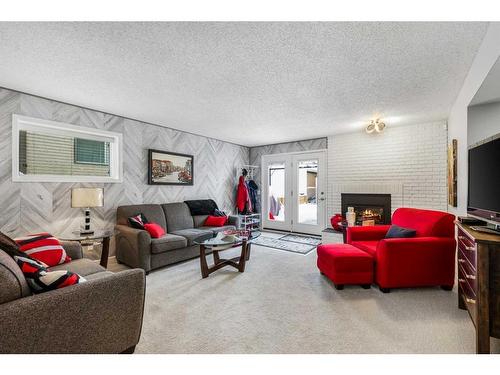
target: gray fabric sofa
<point>102,315</point>
<point>136,248</point>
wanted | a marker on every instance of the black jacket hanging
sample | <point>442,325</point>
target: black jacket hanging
<point>253,192</point>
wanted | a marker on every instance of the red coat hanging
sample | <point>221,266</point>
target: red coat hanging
<point>241,195</point>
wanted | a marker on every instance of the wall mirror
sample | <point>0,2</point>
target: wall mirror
<point>483,141</point>
<point>483,113</point>
<point>52,151</point>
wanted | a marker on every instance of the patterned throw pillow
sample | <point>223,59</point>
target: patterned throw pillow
<point>43,247</point>
<point>41,280</point>
<point>138,221</point>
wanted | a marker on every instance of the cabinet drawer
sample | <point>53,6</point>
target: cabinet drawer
<point>467,249</point>
<point>465,239</point>
<point>467,274</point>
<point>469,299</point>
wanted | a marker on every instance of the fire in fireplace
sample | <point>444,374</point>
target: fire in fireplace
<point>370,209</point>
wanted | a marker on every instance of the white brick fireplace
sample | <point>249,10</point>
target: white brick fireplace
<point>408,162</point>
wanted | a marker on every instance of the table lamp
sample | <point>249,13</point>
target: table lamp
<point>86,198</point>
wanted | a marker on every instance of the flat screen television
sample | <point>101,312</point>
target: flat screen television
<point>484,181</point>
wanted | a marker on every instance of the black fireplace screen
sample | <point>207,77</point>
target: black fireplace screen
<point>374,208</point>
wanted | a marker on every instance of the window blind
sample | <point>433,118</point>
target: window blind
<point>88,151</point>
<point>56,155</point>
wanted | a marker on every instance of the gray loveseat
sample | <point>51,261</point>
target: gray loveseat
<point>136,248</point>
<point>102,315</point>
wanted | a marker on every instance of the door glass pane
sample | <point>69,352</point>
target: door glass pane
<point>307,192</point>
<point>276,191</point>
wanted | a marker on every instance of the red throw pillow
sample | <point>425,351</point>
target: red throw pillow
<point>215,221</point>
<point>44,248</point>
<point>155,230</point>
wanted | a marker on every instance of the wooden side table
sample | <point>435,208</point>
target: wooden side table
<point>102,236</point>
<point>343,226</point>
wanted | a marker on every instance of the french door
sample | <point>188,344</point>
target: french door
<point>294,193</point>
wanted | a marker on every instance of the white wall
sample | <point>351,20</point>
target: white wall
<point>408,162</point>
<point>487,55</point>
<point>483,121</point>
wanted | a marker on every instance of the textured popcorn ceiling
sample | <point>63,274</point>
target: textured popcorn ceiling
<point>248,83</point>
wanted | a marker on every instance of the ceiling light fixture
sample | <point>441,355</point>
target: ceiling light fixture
<point>375,126</point>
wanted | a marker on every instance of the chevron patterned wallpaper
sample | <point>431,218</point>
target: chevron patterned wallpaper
<point>30,207</point>
<point>280,148</point>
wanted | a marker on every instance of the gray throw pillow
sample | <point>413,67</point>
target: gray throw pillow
<point>400,232</point>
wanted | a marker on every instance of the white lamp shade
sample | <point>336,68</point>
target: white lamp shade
<point>87,197</point>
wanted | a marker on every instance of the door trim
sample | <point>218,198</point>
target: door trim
<point>288,227</point>
<point>294,153</point>
<point>321,206</point>
<point>266,223</point>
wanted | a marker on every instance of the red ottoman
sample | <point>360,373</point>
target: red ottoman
<point>345,264</point>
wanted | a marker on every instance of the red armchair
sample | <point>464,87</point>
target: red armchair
<point>428,259</point>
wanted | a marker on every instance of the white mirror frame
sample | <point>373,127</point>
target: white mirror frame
<point>20,123</point>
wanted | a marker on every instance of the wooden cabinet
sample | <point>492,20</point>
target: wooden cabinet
<point>478,258</point>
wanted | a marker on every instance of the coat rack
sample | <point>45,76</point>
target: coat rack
<point>250,221</point>
<point>251,171</point>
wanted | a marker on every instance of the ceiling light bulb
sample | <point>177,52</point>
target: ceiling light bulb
<point>375,125</point>
<point>371,127</point>
<point>379,126</point>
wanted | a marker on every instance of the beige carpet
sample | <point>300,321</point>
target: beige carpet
<point>281,304</point>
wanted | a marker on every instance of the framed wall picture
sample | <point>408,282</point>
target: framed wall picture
<point>452,173</point>
<point>169,168</point>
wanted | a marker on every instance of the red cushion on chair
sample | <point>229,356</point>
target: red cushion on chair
<point>215,221</point>
<point>369,247</point>
<point>155,230</point>
<point>43,247</point>
<point>367,233</point>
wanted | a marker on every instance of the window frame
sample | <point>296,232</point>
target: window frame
<point>25,123</point>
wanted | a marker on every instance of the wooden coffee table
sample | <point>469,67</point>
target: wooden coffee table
<point>236,262</point>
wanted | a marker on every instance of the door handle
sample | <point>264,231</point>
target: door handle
<point>321,199</point>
